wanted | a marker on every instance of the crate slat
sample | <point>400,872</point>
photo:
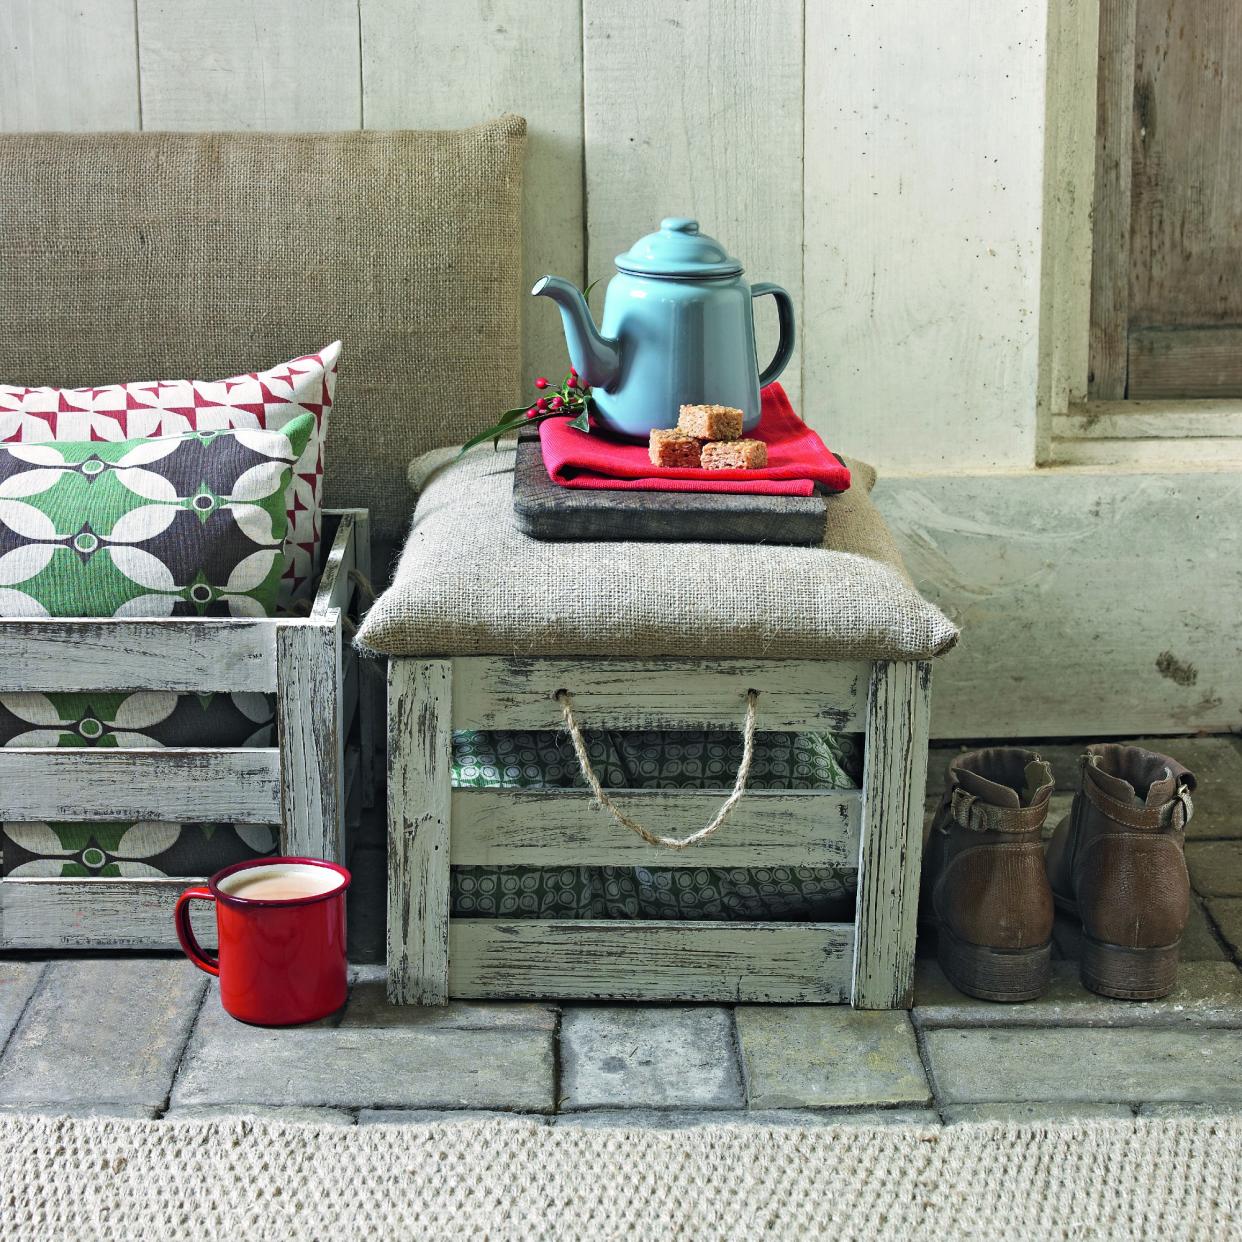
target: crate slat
<point>560,828</point>
<point>890,858</point>
<point>500,692</point>
<point>182,785</point>
<point>784,963</point>
<point>186,655</point>
<point>335,588</point>
<point>91,914</point>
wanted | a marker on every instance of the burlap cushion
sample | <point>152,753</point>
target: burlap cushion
<point>470,583</point>
<point>140,256</point>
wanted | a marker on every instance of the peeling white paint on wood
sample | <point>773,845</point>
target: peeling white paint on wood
<point>190,656</point>
<point>891,849</point>
<point>582,959</point>
<point>181,785</point>
<point>420,775</point>
<point>560,828</point>
<point>97,914</point>
<point>309,728</point>
<point>431,957</point>
<point>498,692</point>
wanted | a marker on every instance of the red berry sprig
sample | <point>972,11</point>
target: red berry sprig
<point>572,397</point>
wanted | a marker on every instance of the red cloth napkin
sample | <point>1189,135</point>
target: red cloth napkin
<point>797,459</point>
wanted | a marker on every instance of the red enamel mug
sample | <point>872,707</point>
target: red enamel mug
<point>281,958</point>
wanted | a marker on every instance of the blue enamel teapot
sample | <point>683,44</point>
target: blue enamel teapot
<point>678,329</point>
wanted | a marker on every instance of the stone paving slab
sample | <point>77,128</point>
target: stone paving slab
<point>438,1116</point>
<point>1215,867</point>
<point>655,1056</point>
<point>1207,994</point>
<point>1226,913</point>
<point>1119,1065</point>
<point>1035,1111</point>
<point>678,1118</point>
<point>828,1056</point>
<point>368,1007</point>
<point>293,1116</point>
<point>1183,1108</point>
<point>102,1029</point>
<point>101,1108</point>
<point>17,984</point>
<point>355,1064</point>
<point>1199,942</point>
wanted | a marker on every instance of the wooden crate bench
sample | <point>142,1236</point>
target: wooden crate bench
<point>303,783</point>
<point>867,962</point>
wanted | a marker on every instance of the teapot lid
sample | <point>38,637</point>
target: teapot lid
<point>678,249</point>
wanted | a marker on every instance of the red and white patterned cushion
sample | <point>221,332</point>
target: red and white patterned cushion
<point>263,399</point>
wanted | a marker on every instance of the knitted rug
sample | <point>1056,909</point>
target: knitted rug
<point>241,1179</point>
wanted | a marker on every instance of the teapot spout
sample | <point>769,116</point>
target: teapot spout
<point>596,359</point>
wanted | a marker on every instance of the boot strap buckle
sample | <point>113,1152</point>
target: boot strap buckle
<point>967,812</point>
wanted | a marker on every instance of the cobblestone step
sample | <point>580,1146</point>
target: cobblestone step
<point>657,1056</point>
<point>823,1057</point>
<point>409,1060</point>
<point>102,1029</point>
<point>1092,1065</point>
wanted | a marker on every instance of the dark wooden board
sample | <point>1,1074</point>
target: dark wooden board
<point>545,510</point>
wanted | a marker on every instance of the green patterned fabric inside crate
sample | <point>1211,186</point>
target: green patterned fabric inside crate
<point>655,760</point>
<point>141,719</point>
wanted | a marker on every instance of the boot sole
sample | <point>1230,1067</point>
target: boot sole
<point>1128,974</point>
<point>1004,975</point>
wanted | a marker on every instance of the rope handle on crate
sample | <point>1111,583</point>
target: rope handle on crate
<point>602,799</point>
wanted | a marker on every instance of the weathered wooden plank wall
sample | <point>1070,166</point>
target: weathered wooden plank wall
<point>66,65</point>
<point>694,108</point>
<point>924,167</point>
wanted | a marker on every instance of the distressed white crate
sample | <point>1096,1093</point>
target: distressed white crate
<point>303,783</point>
<point>868,962</point>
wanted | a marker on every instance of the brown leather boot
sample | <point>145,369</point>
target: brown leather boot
<point>984,883</point>
<point>1116,862</point>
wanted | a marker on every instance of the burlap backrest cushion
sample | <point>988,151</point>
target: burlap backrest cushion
<point>470,583</point>
<point>146,256</point>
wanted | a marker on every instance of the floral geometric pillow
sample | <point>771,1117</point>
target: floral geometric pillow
<point>265,400</point>
<point>188,525</point>
<point>143,718</point>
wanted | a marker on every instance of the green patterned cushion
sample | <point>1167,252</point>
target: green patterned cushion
<point>188,525</point>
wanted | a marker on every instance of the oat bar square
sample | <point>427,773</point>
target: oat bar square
<point>672,447</point>
<point>735,455</point>
<point>710,422</point>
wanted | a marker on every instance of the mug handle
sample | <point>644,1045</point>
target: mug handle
<point>185,933</point>
<point>785,316</point>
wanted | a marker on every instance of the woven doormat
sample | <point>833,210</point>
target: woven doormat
<point>242,1179</point>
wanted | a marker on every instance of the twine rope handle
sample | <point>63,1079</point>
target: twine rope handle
<point>602,799</point>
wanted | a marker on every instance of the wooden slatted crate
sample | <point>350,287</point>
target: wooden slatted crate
<point>323,760</point>
<point>867,962</point>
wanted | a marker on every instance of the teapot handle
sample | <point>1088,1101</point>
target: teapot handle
<point>785,315</point>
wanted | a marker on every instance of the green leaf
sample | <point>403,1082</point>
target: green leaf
<point>582,422</point>
<point>493,433</point>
